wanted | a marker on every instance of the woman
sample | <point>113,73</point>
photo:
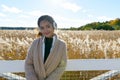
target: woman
<point>47,56</point>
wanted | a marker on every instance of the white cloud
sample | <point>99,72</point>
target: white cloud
<point>35,13</point>
<point>64,4</point>
<point>64,22</point>
<point>29,18</point>
<point>86,10</point>
<point>10,9</point>
<point>71,6</point>
<point>73,23</point>
<point>17,23</point>
<point>103,18</point>
<point>99,18</point>
<point>24,16</point>
<point>90,16</point>
<point>6,20</point>
<point>2,15</point>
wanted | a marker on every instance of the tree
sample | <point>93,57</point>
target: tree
<point>115,22</point>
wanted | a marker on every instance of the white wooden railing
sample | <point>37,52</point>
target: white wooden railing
<point>72,65</point>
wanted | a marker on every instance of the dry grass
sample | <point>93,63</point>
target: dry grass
<point>80,45</point>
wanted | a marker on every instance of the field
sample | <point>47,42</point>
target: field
<point>80,45</point>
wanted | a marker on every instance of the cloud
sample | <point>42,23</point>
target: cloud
<point>10,9</point>
<point>71,6</point>
<point>104,18</point>
<point>2,15</point>
<point>90,16</point>
<point>31,20</point>
<point>64,4</point>
<point>65,22</point>
<point>99,18</point>
<point>6,22</point>
<point>36,13</point>
<point>24,16</point>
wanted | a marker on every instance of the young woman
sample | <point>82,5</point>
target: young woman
<point>47,56</point>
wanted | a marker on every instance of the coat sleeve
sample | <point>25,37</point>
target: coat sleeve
<point>57,73</point>
<point>29,68</point>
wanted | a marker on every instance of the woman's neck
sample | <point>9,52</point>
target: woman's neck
<point>50,36</point>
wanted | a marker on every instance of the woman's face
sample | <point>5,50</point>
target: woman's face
<point>46,28</point>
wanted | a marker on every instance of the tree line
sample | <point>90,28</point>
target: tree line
<point>107,25</point>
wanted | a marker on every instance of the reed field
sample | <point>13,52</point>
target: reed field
<point>80,45</point>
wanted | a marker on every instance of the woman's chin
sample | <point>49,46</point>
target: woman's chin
<point>47,36</point>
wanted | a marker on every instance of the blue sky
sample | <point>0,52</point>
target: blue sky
<point>66,13</point>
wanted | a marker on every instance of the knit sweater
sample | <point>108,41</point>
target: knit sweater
<point>48,45</point>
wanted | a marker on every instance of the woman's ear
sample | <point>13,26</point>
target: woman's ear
<point>55,25</point>
<point>39,28</point>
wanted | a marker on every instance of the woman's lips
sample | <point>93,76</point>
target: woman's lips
<point>46,33</point>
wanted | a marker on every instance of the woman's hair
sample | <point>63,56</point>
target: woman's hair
<point>47,18</point>
<point>39,34</point>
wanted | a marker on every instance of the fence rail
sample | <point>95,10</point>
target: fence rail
<point>7,66</point>
<point>11,76</point>
<point>107,75</point>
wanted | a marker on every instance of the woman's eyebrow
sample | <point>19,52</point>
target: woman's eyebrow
<point>41,26</point>
<point>48,25</point>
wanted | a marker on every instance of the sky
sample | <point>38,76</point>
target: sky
<point>66,13</point>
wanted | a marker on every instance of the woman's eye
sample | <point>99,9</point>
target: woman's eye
<point>48,26</point>
<point>41,28</point>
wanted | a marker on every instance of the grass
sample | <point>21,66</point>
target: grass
<point>80,45</point>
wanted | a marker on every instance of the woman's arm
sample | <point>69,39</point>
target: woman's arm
<point>29,68</point>
<point>57,73</point>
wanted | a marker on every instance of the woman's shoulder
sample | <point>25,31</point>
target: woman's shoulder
<point>32,45</point>
<point>63,42</point>
<point>35,41</point>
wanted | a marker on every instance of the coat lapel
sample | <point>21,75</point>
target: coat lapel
<point>40,56</point>
<point>51,60</point>
<point>52,54</point>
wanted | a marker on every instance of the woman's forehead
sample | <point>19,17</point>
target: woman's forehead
<point>44,22</point>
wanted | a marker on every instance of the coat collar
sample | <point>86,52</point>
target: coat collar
<point>43,44</point>
<point>54,37</point>
<point>45,66</point>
